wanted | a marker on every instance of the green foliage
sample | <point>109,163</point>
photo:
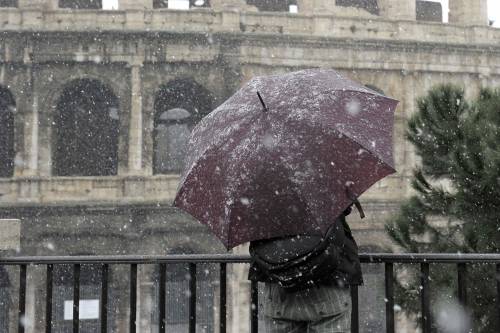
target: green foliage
<point>458,183</point>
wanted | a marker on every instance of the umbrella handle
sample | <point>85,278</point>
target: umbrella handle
<point>354,199</point>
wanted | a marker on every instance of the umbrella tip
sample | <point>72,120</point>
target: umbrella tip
<point>262,102</point>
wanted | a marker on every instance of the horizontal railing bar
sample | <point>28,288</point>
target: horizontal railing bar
<point>232,258</point>
<point>430,257</point>
<point>183,258</point>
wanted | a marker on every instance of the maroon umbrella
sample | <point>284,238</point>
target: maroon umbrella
<point>281,166</point>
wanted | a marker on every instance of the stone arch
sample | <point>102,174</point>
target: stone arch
<point>54,93</point>
<point>178,106</point>
<point>86,130</point>
<point>7,130</point>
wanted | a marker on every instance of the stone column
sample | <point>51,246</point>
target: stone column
<point>398,9</point>
<point>31,11</point>
<point>27,104</point>
<point>469,12</point>
<point>134,12</point>
<point>135,132</point>
<point>135,4</point>
<point>305,7</point>
<point>51,4</point>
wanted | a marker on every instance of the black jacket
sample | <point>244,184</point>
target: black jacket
<point>348,271</point>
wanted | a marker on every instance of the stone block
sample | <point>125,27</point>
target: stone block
<point>10,234</point>
<point>135,19</point>
<point>239,5</point>
<point>469,12</point>
<point>38,4</point>
<point>134,187</point>
<point>322,25</point>
<point>231,20</point>
<point>398,9</point>
<point>29,189</point>
<point>31,4</point>
<point>309,7</point>
<point>135,4</point>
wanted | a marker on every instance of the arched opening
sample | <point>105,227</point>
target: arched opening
<point>7,152</point>
<point>80,4</point>
<point>179,105</point>
<point>86,128</point>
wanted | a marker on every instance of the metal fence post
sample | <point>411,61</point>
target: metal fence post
<point>389,297</point>
<point>425,298</point>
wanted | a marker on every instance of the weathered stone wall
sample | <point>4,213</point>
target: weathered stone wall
<point>136,49</point>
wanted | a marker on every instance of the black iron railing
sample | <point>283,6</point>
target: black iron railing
<point>424,260</point>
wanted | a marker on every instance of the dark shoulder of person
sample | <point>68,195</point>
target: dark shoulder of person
<point>282,249</point>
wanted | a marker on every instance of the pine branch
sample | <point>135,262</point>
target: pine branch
<point>460,142</point>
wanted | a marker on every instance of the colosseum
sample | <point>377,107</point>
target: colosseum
<point>96,106</point>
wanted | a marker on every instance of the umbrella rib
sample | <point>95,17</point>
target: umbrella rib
<point>262,102</point>
<point>204,151</point>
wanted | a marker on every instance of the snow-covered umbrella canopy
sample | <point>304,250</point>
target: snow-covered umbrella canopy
<point>261,170</point>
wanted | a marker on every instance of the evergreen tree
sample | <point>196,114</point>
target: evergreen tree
<point>458,183</point>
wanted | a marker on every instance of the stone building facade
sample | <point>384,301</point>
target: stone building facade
<point>124,87</point>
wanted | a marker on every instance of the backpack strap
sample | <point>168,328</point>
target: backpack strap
<point>296,261</point>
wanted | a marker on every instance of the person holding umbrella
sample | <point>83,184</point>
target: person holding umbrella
<point>284,159</point>
<point>307,280</point>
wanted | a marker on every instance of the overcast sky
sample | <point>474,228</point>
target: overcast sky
<point>493,8</point>
<point>494,11</point>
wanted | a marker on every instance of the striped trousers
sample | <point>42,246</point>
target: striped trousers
<point>322,309</point>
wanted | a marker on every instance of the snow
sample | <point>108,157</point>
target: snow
<point>451,317</point>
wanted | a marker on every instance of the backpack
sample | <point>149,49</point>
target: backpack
<point>299,262</point>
